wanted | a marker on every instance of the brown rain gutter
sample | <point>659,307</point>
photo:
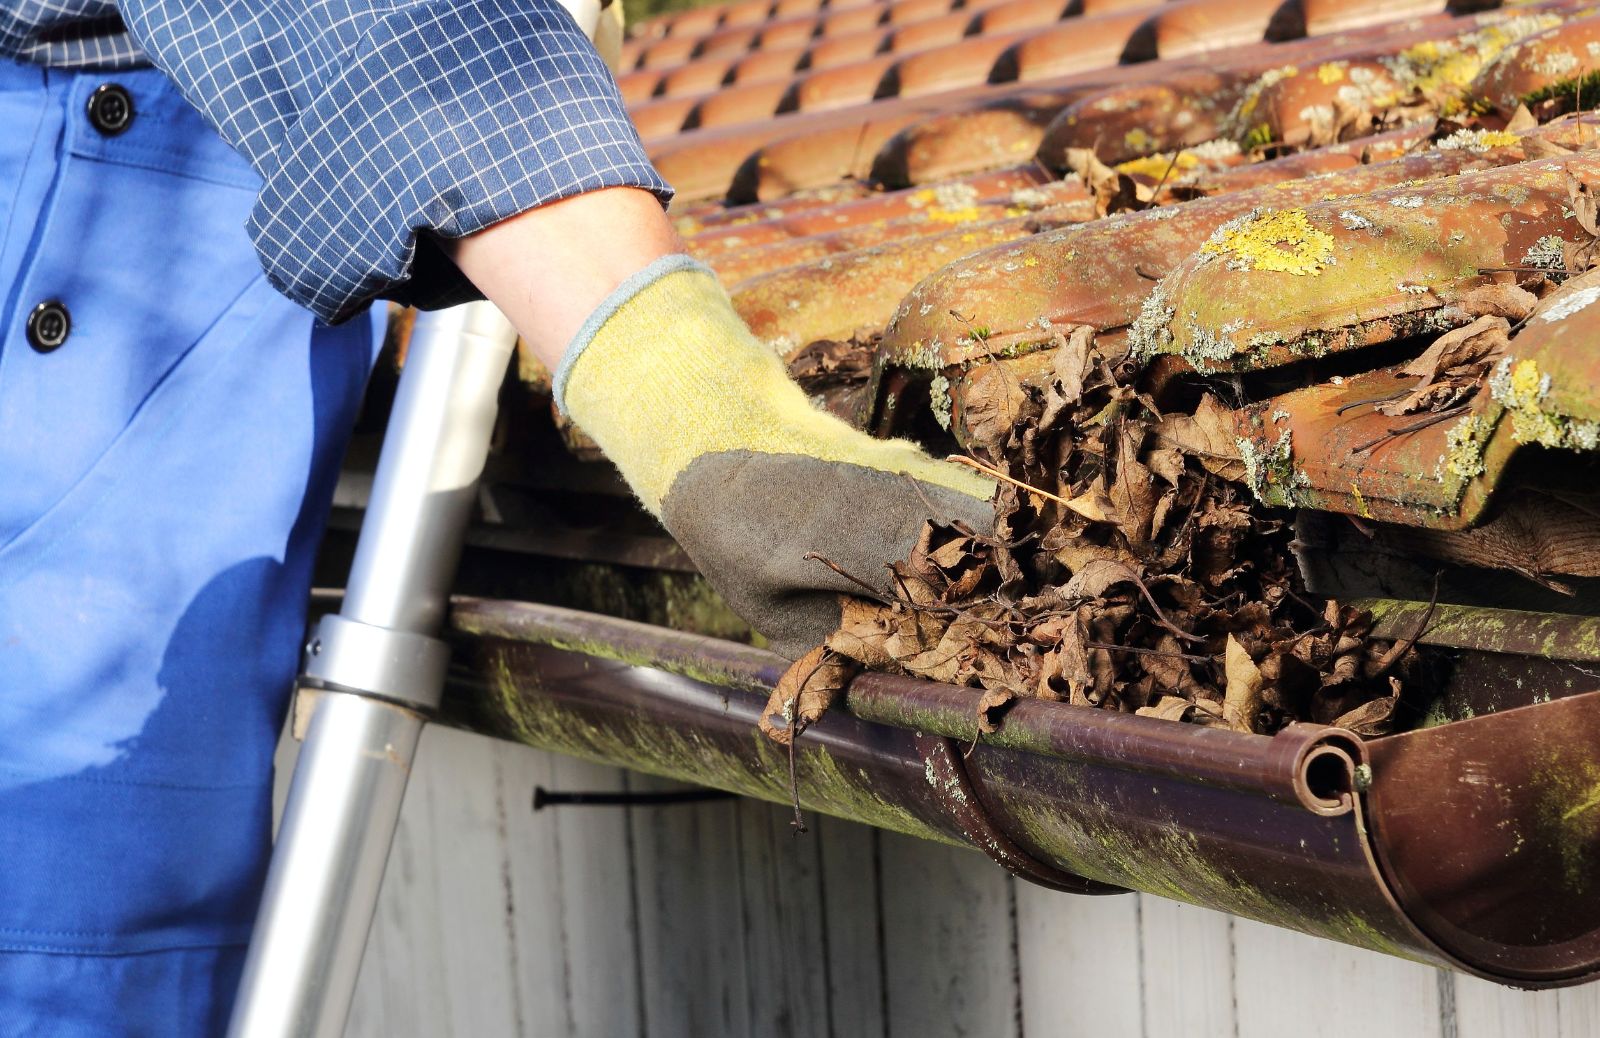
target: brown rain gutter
<point>1472,845</point>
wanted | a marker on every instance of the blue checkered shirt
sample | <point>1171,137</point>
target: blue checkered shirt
<point>373,123</point>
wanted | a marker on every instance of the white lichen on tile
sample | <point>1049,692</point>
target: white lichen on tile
<point>1030,198</point>
<point>1565,306</point>
<point>1476,141</point>
<point>1354,221</point>
<point>1464,443</point>
<point>1556,64</point>
<point>1270,473</point>
<point>939,400</point>
<point>1547,253</point>
<point>1151,331</point>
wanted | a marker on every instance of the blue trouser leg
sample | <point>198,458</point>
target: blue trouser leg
<point>164,475</point>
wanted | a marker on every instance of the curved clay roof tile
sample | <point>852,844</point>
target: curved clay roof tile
<point>763,65</point>
<point>843,50</point>
<point>1544,66</point>
<point>801,217</point>
<point>638,86</point>
<point>1072,46</point>
<point>734,42</point>
<point>853,19</point>
<point>837,87</point>
<point>962,64</point>
<point>1022,14</point>
<point>674,50</point>
<point>695,21</point>
<point>904,12</point>
<point>663,116</point>
<point>932,32</point>
<point>747,12</point>
<point>960,142</point>
<point>840,150</point>
<point>1197,26</point>
<point>697,77</point>
<point>787,33</point>
<point>1299,18</point>
<point>789,8</point>
<point>744,103</point>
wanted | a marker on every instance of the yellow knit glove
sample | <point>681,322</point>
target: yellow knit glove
<point>708,429</point>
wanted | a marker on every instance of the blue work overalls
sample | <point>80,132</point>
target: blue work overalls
<point>165,469</point>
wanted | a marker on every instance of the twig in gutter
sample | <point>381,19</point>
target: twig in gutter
<point>1387,661</point>
<point>1142,651</point>
<point>1161,617</point>
<point>994,473</point>
<point>799,823</point>
<point>812,556</point>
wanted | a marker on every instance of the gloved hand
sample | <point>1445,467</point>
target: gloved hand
<point>708,429</point>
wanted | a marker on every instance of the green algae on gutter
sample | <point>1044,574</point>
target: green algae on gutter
<point>1568,815</point>
<point>1172,866</point>
<point>687,665</point>
<point>824,784</point>
<point>1506,631</point>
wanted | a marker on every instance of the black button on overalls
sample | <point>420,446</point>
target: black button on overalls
<point>110,109</point>
<point>48,326</point>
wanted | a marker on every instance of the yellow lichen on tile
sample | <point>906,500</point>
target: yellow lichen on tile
<point>1159,166</point>
<point>965,214</point>
<point>1277,240</point>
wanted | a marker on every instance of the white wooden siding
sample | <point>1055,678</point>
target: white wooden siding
<point>713,920</point>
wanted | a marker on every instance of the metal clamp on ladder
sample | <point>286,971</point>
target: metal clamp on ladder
<point>379,668</point>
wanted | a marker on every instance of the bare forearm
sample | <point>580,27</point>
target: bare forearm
<point>550,268</point>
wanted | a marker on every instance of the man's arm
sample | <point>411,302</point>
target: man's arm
<point>652,361</point>
<point>550,268</point>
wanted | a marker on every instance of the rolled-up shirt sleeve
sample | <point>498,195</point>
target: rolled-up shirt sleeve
<point>374,125</point>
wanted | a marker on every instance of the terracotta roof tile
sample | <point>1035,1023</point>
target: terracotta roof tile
<point>774,63</point>
<point>743,12</point>
<point>701,77</point>
<point>1089,42</point>
<point>902,12</point>
<point>852,84</point>
<point>1151,171</point>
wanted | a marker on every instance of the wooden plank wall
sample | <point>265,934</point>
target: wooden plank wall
<point>711,920</point>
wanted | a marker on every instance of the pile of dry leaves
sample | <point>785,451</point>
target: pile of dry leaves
<point>1130,570</point>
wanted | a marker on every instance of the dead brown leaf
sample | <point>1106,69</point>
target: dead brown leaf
<point>1113,192</point>
<point>1242,697</point>
<point>1580,255</point>
<point>805,692</point>
<point>1509,301</point>
<point>993,404</point>
<point>1208,436</point>
<point>1452,369</point>
<point>1374,717</point>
